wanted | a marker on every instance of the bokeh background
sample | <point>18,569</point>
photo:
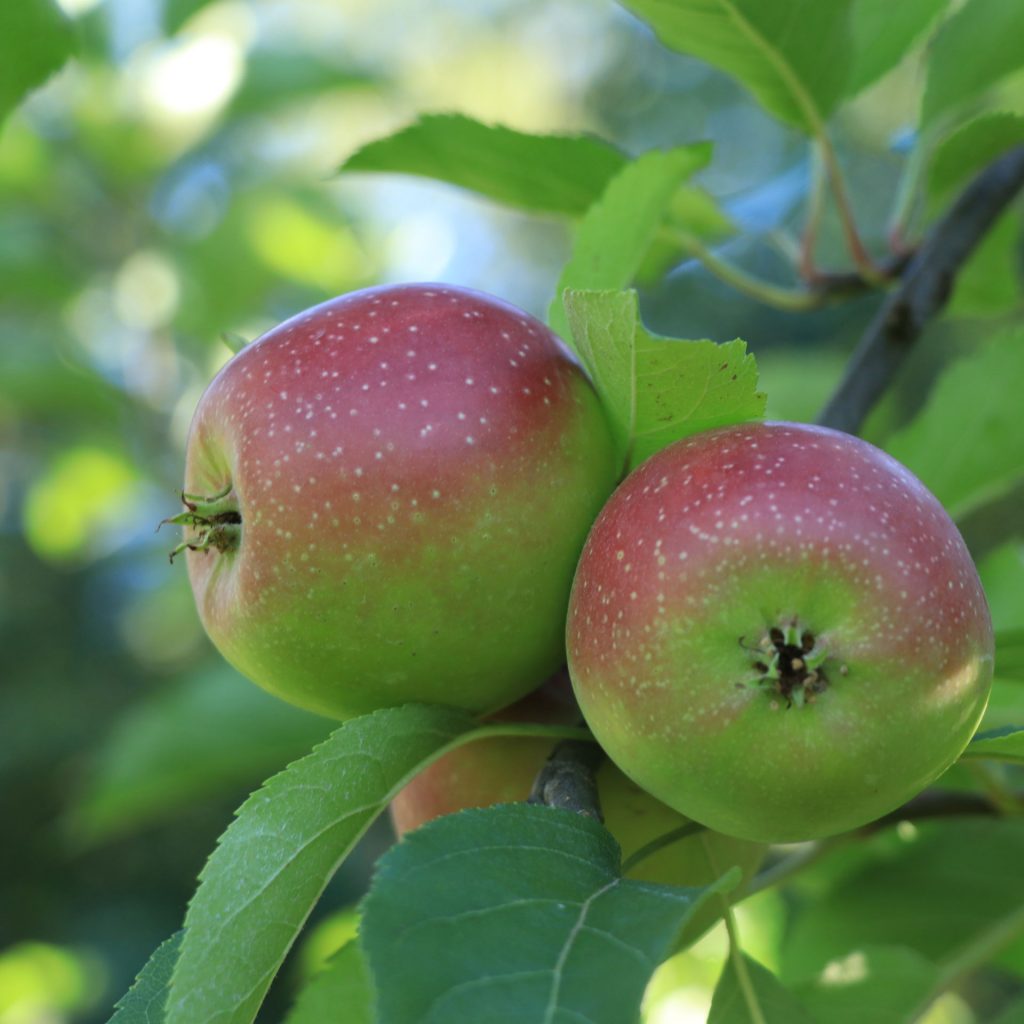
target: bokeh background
<point>178,182</point>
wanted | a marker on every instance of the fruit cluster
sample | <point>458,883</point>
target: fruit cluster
<point>773,629</point>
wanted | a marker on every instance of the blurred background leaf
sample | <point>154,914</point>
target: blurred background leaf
<point>977,454</point>
<point>974,49</point>
<point>35,40</point>
<point>208,734</point>
<point>797,75</point>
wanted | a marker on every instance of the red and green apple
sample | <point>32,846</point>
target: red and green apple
<point>777,630</point>
<point>386,496</point>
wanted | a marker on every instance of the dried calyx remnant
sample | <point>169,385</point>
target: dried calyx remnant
<point>790,663</point>
<point>215,522</point>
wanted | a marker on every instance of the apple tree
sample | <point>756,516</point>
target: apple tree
<point>632,664</point>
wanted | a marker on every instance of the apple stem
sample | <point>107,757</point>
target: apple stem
<point>691,828</point>
<point>215,520</point>
<point>221,533</point>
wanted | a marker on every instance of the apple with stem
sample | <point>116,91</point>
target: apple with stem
<point>501,769</point>
<point>385,498</point>
<point>777,630</point>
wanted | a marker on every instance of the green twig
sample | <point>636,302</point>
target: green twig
<point>790,299</point>
<point>979,951</point>
<point>691,828</point>
<point>826,288</point>
<point>739,964</point>
<point>784,868</point>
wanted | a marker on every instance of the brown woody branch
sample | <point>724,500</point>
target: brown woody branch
<point>567,779</point>
<point>924,291</point>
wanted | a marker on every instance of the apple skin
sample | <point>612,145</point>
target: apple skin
<point>415,469</point>
<point>721,538</point>
<point>502,770</point>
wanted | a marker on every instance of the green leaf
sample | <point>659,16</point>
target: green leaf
<point>205,736</point>
<point>968,149</point>
<point>1005,705</point>
<point>35,40</point>
<point>343,985</point>
<point>1013,1014</point>
<point>934,889</point>
<point>1010,653</point>
<point>145,1000</point>
<point>657,390</point>
<point>275,859</point>
<point>177,12</point>
<point>516,913</point>
<point>617,232</point>
<point>990,282</point>
<point>1006,744</point>
<point>697,213</point>
<point>883,33</point>
<point>275,79</point>
<point>979,45</point>
<point>560,174</point>
<point>732,1002</point>
<point>793,55</point>
<point>691,211</point>
<point>881,984</point>
<point>798,380</point>
<point>1002,573</point>
<point>966,445</point>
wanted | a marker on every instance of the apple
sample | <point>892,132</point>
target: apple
<point>777,630</point>
<point>502,770</point>
<point>386,496</point>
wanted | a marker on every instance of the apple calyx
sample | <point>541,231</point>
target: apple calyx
<point>215,522</point>
<point>790,663</point>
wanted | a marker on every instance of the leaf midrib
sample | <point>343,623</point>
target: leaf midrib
<point>781,65</point>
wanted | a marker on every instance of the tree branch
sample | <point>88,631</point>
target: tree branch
<point>567,779</point>
<point>936,803</point>
<point>929,805</point>
<point>924,291</point>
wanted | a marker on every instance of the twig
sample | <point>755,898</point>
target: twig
<point>937,803</point>
<point>980,950</point>
<point>933,803</point>
<point>739,963</point>
<point>926,288</point>
<point>567,779</point>
<point>785,867</point>
<point>837,185</point>
<point>825,288</point>
<point>691,828</point>
<point>815,208</point>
